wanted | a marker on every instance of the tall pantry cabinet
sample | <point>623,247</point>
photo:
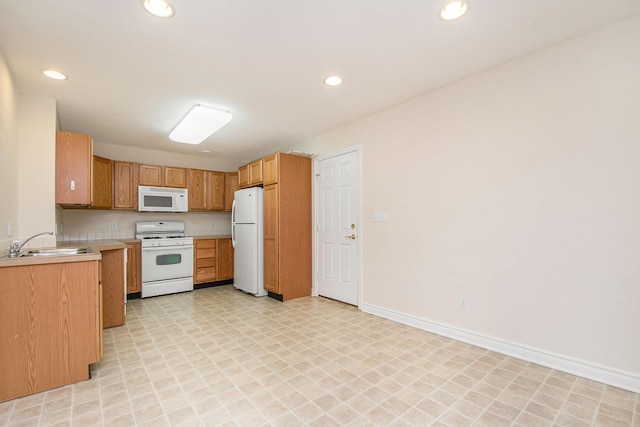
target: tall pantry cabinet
<point>287,226</point>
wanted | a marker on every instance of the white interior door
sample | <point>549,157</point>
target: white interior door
<point>337,231</point>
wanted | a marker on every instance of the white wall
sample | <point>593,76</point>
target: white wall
<point>517,189</point>
<point>27,145</point>
<point>37,169</point>
<point>9,98</point>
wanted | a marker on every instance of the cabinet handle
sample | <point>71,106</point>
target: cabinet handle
<point>352,237</point>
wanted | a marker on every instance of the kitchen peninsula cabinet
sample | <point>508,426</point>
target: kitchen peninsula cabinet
<point>74,157</point>
<point>50,317</point>
<point>230,187</point>
<point>206,190</point>
<point>102,183</point>
<point>287,228</point>
<point>125,185</point>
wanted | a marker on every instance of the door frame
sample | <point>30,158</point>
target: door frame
<point>357,148</point>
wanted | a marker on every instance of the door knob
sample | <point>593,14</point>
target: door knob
<point>352,237</point>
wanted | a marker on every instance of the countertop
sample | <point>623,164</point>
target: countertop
<point>95,245</point>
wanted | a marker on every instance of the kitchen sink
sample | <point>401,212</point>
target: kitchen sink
<point>57,252</point>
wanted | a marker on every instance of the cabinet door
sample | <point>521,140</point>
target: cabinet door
<point>113,277</point>
<point>151,175</point>
<point>175,177</point>
<point>271,274</point>
<point>102,183</point>
<point>255,172</point>
<point>230,187</point>
<point>74,158</point>
<point>224,259</point>
<point>270,169</point>
<point>134,277</point>
<point>197,190</point>
<point>215,191</point>
<point>125,187</point>
<point>243,176</point>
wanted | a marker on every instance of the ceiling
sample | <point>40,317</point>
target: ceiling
<point>133,76</point>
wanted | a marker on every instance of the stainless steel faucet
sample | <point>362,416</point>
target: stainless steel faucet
<point>16,246</point>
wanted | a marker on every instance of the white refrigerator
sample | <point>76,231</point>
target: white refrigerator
<point>247,235</point>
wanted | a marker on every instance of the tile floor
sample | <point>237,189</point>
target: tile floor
<point>219,357</point>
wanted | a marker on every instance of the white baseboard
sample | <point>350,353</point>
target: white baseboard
<point>581,368</point>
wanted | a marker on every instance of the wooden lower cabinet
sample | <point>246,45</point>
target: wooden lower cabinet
<point>50,317</point>
<point>213,260</point>
<point>224,259</point>
<point>134,266</point>
<point>112,280</point>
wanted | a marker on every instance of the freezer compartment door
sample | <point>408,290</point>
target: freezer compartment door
<point>245,206</point>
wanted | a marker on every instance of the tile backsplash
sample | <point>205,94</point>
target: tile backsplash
<point>80,224</point>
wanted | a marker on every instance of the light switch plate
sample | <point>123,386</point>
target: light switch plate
<point>379,216</point>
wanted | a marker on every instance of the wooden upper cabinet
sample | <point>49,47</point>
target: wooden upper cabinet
<point>255,172</point>
<point>243,176</point>
<point>125,185</point>
<point>197,190</point>
<point>150,175</point>
<point>175,177</point>
<point>270,169</point>
<point>74,161</point>
<point>230,187</point>
<point>206,190</point>
<point>102,183</point>
<point>215,191</point>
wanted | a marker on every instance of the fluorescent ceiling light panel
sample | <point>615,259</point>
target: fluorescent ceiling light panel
<point>199,124</point>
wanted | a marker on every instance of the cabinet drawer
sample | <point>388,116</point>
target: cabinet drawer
<point>205,274</point>
<point>206,244</point>
<point>205,262</point>
<point>206,253</point>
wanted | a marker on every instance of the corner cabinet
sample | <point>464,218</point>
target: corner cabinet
<point>74,161</point>
<point>287,228</point>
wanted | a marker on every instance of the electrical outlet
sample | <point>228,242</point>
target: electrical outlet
<point>114,227</point>
<point>463,304</point>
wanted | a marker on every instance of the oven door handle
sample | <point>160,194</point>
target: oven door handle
<point>167,248</point>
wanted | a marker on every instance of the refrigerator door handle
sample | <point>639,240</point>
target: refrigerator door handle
<point>233,224</point>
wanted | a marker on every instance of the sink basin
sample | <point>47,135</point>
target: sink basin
<point>57,252</point>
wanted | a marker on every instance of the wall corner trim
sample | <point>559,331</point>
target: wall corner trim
<point>581,368</point>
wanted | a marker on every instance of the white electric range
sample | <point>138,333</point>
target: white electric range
<point>167,257</point>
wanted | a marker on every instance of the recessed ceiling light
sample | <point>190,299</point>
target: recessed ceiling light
<point>53,74</point>
<point>199,124</point>
<point>333,81</point>
<point>454,10</point>
<point>159,8</point>
<point>206,151</point>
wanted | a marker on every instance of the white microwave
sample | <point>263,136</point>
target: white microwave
<point>162,199</point>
